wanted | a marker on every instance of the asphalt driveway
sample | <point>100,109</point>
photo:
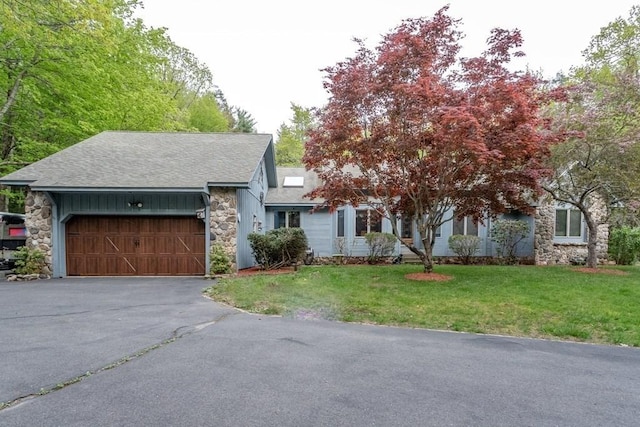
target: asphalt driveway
<point>121,352</point>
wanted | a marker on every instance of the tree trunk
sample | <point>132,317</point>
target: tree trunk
<point>427,260</point>
<point>592,241</point>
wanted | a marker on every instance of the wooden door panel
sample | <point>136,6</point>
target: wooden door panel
<point>111,245</point>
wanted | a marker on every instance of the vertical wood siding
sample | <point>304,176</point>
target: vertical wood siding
<point>252,215</point>
<point>117,204</point>
<point>317,227</point>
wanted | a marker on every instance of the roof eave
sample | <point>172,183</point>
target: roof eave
<point>270,161</point>
<point>292,203</point>
<point>56,189</point>
<point>229,184</point>
<point>17,183</point>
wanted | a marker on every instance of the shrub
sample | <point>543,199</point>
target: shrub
<point>220,262</point>
<point>624,245</point>
<point>263,249</point>
<point>29,261</point>
<point>279,247</point>
<point>343,249</point>
<point>508,233</point>
<point>380,245</point>
<point>464,246</point>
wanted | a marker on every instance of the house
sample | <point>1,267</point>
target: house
<point>557,233</point>
<point>145,203</point>
<point>341,233</point>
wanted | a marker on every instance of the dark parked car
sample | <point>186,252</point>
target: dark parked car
<point>13,234</point>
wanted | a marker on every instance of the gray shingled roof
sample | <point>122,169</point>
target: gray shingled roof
<point>282,196</point>
<point>149,160</point>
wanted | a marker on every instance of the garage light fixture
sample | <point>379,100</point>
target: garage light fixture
<point>135,204</point>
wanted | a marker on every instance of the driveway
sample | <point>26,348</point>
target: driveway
<point>131,352</point>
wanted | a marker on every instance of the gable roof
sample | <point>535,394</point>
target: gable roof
<point>294,195</point>
<point>151,161</point>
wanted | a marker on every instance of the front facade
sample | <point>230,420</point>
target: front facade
<point>144,203</point>
<point>557,234</point>
<point>134,203</point>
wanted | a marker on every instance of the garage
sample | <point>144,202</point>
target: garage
<point>126,203</point>
<point>135,246</point>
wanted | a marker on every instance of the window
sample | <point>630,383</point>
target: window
<point>287,219</point>
<point>465,226</point>
<point>568,223</point>
<point>368,221</point>
<point>406,231</point>
<point>341,223</point>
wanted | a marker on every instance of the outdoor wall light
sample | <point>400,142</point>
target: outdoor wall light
<point>135,204</point>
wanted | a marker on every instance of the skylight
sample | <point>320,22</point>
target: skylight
<point>293,181</point>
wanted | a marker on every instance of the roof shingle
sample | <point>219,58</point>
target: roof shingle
<point>293,196</point>
<point>149,160</point>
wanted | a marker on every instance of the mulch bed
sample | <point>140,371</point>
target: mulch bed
<point>252,271</point>
<point>428,277</point>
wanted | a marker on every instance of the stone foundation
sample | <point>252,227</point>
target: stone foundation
<point>38,221</point>
<point>224,222</point>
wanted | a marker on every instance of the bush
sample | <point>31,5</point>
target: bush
<point>343,249</point>
<point>279,247</point>
<point>624,245</point>
<point>464,246</point>
<point>263,249</point>
<point>220,262</point>
<point>380,245</point>
<point>29,261</point>
<point>508,233</point>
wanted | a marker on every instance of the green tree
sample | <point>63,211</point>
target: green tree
<point>188,82</point>
<point>292,137</point>
<point>204,115</point>
<point>597,166</point>
<point>242,121</point>
<point>69,70</point>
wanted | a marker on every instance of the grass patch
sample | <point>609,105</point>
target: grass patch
<point>543,302</point>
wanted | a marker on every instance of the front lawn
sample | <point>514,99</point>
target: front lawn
<point>543,302</point>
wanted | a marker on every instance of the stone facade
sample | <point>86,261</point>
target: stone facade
<point>38,221</point>
<point>549,252</point>
<point>224,222</point>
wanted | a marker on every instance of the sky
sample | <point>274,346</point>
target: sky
<point>264,55</point>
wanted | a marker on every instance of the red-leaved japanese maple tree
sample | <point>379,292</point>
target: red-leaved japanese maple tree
<point>412,129</point>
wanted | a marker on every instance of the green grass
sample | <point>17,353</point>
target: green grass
<point>542,302</point>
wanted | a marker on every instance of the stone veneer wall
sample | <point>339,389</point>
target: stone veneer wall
<point>548,253</point>
<point>223,221</point>
<point>39,224</point>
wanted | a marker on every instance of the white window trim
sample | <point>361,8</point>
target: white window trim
<point>369,210</point>
<point>465,226</point>
<point>568,239</point>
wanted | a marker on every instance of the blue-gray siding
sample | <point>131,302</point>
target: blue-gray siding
<point>487,246</point>
<point>251,216</point>
<point>321,229</point>
<point>317,227</point>
<point>117,204</point>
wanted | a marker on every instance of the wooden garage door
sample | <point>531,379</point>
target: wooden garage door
<point>135,246</point>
